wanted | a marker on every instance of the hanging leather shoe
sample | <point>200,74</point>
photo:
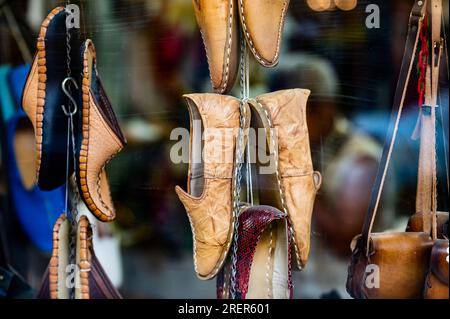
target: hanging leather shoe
<point>43,98</point>
<point>100,139</point>
<point>218,21</point>
<point>262,24</point>
<point>208,201</point>
<point>292,184</point>
<point>89,279</point>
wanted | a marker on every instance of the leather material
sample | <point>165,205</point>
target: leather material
<point>218,24</point>
<point>436,286</point>
<point>91,281</point>
<point>262,24</point>
<point>43,98</point>
<point>100,139</point>
<point>415,224</point>
<point>286,112</point>
<point>402,260</point>
<point>210,208</point>
<point>258,236</point>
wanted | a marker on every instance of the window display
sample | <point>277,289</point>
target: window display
<point>275,111</point>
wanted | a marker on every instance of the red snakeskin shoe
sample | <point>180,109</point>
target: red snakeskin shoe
<point>263,257</point>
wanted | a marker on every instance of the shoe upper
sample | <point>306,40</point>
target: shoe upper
<point>218,24</point>
<point>99,140</point>
<point>286,111</point>
<point>262,23</point>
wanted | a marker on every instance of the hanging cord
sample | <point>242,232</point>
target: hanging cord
<point>70,111</point>
<point>238,168</point>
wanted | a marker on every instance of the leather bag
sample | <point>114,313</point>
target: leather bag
<point>391,265</point>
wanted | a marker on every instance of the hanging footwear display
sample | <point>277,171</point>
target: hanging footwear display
<point>99,139</point>
<point>87,280</point>
<point>123,172</point>
<point>293,185</point>
<point>208,202</point>
<point>218,24</point>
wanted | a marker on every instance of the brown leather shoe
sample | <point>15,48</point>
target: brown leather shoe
<point>58,272</point>
<point>100,139</point>
<point>262,23</point>
<point>293,184</point>
<point>218,23</point>
<point>208,201</point>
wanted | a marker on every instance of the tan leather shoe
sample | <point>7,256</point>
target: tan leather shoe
<point>100,139</point>
<point>262,23</point>
<point>293,185</point>
<point>218,23</point>
<point>208,201</point>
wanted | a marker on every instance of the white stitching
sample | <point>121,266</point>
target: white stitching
<point>224,82</point>
<point>282,197</point>
<point>248,36</point>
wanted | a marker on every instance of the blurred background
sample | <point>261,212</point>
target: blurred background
<point>150,53</point>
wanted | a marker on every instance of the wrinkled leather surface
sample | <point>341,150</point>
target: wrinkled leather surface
<point>218,24</point>
<point>99,141</point>
<point>287,110</point>
<point>211,213</point>
<point>263,23</point>
<point>403,261</point>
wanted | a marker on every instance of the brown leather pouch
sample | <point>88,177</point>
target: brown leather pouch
<point>436,286</point>
<point>394,268</point>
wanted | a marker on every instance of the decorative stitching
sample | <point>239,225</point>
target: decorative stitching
<point>54,261</point>
<point>280,186</point>
<point>224,82</point>
<point>250,40</point>
<point>269,260</point>
<point>85,261</point>
<point>42,85</point>
<point>230,42</point>
<point>84,152</point>
<point>224,253</point>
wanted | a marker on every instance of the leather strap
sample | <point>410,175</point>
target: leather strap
<point>436,19</point>
<point>415,24</point>
<point>427,155</point>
